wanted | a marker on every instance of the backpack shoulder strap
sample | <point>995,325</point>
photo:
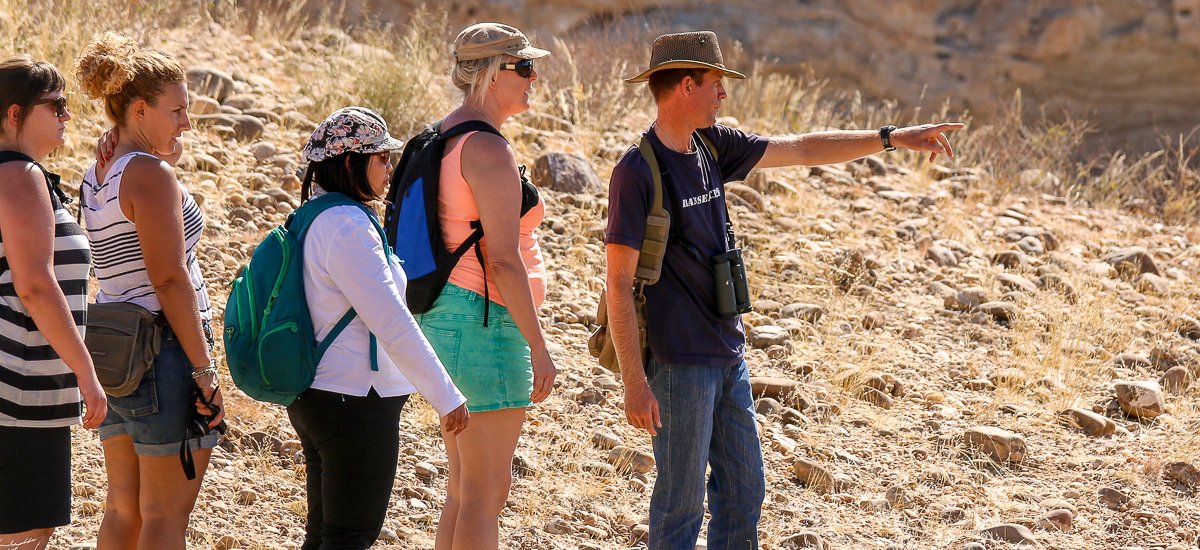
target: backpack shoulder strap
<point>469,126</point>
<point>658,223</point>
<point>708,144</point>
<point>12,156</point>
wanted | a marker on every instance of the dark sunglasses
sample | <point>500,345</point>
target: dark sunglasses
<point>523,67</point>
<point>59,103</point>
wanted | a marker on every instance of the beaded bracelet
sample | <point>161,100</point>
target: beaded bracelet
<point>210,371</point>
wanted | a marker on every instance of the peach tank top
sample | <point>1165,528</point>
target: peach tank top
<point>456,208</point>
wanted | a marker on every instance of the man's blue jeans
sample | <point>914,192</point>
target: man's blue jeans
<point>707,420</point>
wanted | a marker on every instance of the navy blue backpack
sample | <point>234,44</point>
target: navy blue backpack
<point>411,219</point>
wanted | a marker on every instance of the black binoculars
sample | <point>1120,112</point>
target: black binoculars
<point>730,287</point>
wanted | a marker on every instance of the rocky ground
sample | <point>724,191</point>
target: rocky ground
<point>941,363</point>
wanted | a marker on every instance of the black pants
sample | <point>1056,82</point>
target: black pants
<point>350,449</point>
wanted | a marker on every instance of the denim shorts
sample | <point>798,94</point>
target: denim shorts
<point>157,413</point>
<point>490,365</point>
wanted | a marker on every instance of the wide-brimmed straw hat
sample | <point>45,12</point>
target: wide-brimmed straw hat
<point>483,40</point>
<point>683,50</point>
<point>350,130</point>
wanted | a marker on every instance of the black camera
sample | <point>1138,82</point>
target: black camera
<point>199,426</point>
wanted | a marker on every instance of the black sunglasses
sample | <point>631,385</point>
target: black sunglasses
<point>59,103</point>
<point>523,67</point>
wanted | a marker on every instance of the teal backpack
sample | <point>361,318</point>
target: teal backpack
<point>270,344</point>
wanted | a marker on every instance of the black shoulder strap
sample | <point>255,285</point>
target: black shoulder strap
<point>468,126</point>
<point>53,181</point>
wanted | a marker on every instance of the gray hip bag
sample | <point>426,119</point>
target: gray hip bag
<point>123,339</point>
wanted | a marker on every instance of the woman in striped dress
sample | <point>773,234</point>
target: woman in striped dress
<point>144,227</point>
<point>44,259</point>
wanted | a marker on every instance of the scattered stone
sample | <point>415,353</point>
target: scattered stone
<point>262,442</point>
<point>558,526</point>
<point>425,471</point>
<point>590,396</point>
<point>1114,499</point>
<point>1016,282</point>
<point>1002,312</point>
<point>967,299</point>
<point>1089,422</point>
<point>1188,327</point>
<point>752,199</point>
<point>565,172</point>
<point>1010,259</point>
<point>1131,360</point>
<point>953,514</point>
<point>1000,445</point>
<point>875,397</point>
<point>1032,246</point>
<point>941,256</point>
<point>816,477</point>
<point>227,542</point>
<point>639,534</point>
<point>247,128</point>
<point>1142,399</point>
<point>1056,520</point>
<point>775,388</point>
<point>1131,262</point>
<point>873,320</point>
<point>388,535</point>
<point>803,540</point>
<point>853,268</point>
<point>604,438</point>
<point>606,382</point>
<point>210,82</point>
<point>626,459</point>
<point>1152,284</point>
<point>1010,533</point>
<point>1176,380</point>
<point>767,406</point>
<point>523,466</point>
<point>204,106</point>
<point>980,384</point>
<point>805,312</point>
<point>1054,281</point>
<point>262,151</point>
<point>246,497</point>
<point>765,336</point>
<point>1183,473</point>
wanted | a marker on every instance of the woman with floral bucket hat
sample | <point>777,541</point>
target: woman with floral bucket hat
<point>484,323</point>
<point>347,421</point>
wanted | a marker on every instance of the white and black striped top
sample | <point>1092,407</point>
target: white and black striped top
<point>37,389</point>
<point>116,251</point>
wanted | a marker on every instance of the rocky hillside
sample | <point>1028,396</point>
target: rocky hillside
<point>942,359</point>
<point>1132,68</point>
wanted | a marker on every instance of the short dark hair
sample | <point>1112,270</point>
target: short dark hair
<point>662,81</point>
<point>23,82</point>
<point>332,176</point>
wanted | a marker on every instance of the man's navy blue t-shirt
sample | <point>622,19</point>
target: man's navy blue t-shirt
<point>683,326</point>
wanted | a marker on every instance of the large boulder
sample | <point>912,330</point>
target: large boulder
<point>565,172</point>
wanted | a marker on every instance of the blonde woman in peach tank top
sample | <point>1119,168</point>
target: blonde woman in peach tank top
<point>456,208</point>
<point>488,335</point>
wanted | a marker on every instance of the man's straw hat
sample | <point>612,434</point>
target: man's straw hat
<point>686,50</point>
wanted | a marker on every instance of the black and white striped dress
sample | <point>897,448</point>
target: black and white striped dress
<point>37,389</point>
<point>116,251</point>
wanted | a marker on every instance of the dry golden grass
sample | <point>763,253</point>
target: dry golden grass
<point>1061,350</point>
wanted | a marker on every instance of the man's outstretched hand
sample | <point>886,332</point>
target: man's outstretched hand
<point>927,137</point>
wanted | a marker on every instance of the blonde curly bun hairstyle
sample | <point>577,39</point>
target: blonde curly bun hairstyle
<point>115,70</point>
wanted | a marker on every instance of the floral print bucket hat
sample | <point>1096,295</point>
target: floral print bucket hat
<point>350,130</point>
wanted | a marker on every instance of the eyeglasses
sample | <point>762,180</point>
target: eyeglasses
<point>59,103</point>
<point>523,67</point>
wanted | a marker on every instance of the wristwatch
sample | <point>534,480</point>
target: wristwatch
<point>885,135</point>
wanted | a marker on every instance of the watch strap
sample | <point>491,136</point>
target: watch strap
<point>885,136</point>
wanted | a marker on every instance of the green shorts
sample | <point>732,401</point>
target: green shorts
<point>490,365</point>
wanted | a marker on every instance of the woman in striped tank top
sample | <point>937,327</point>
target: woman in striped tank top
<point>44,259</point>
<point>144,227</point>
